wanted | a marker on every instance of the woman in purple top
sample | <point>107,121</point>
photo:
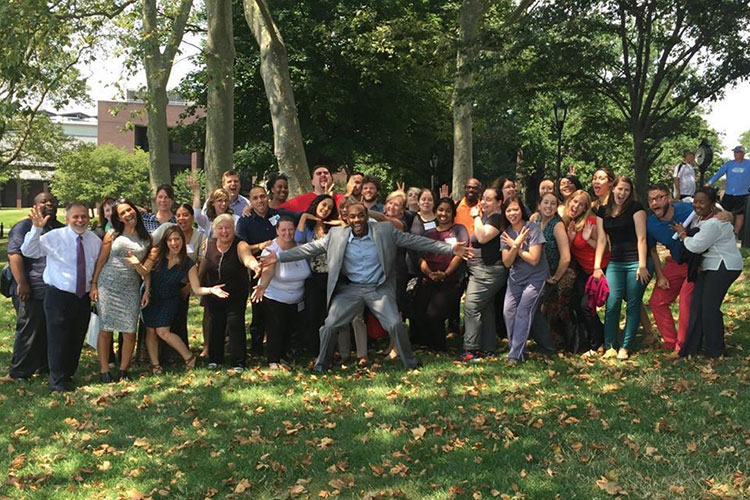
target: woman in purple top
<point>522,245</point>
<point>440,286</point>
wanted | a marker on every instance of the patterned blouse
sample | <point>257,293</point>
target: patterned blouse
<point>550,249</point>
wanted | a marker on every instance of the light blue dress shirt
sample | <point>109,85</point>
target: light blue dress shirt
<point>361,262</point>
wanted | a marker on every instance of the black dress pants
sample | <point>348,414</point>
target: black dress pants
<point>281,321</point>
<point>706,325</point>
<point>30,342</point>
<point>67,320</point>
<point>227,319</point>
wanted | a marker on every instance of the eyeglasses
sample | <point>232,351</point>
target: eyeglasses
<point>657,198</point>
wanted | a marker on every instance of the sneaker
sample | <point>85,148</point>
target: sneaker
<point>488,354</point>
<point>238,369</point>
<point>124,375</point>
<point>105,378</point>
<point>274,366</point>
<point>468,356</point>
<point>622,354</point>
<point>212,366</point>
<point>611,353</point>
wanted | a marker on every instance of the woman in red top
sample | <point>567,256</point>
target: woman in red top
<point>580,223</point>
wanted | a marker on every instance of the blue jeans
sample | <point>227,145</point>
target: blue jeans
<point>623,284</point>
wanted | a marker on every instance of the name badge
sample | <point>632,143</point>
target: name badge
<point>274,220</point>
<point>451,241</point>
<point>429,225</point>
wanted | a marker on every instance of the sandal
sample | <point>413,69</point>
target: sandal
<point>156,370</point>
<point>190,363</point>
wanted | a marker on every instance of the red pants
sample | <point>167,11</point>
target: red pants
<point>661,300</point>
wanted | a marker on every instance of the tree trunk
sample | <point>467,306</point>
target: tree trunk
<point>158,65</point>
<point>220,54</point>
<point>470,17</point>
<point>158,134</point>
<point>640,164</point>
<point>274,69</point>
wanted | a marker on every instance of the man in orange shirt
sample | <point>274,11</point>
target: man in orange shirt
<point>472,191</point>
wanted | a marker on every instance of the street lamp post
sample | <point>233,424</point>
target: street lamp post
<point>561,112</point>
<point>433,171</point>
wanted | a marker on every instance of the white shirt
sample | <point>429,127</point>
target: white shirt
<point>60,246</point>
<point>717,239</point>
<point>288,282</point>
<point>685,174</point>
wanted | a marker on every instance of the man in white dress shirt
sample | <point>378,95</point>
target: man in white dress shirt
<point>71,254</point>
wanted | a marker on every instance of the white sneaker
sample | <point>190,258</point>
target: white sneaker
<point>274,366</point>
<point>212,366</point>
<point>238,369</point>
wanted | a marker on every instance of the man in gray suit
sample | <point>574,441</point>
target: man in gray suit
<point>362,272</point>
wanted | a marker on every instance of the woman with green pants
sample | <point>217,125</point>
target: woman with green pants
<point>623,220</point>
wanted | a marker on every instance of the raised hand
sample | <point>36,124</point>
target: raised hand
<point>401,186</point>
<point>475,211</point>
<point>588,229</point>
<point>37,218</point>
<point>269,259</point>
<point>445,191</point>
<point>192,183</point>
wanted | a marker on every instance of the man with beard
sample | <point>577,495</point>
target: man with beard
<point>370,194</point>
<point>361,261</point>
<point>672,276</point>
<point>28,289</point>
<point>71,253</point>
<point>472,190</point>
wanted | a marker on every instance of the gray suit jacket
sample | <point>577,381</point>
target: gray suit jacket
<point>386,237</point>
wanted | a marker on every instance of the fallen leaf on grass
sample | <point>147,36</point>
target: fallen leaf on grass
<point>419,432</point>
<point>105,466</point>
<point>242,486</point>
<point>609,484</point>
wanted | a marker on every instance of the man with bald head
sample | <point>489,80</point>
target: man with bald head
<point>27,292</point>
<point>472,191</point>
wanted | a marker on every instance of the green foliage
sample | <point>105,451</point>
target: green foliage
<point>89,173</point>
<point>370,79</point>
<point>182,192</point>
<point>745,139</point>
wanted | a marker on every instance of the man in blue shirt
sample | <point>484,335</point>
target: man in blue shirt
<point>671,278</point>
<point>738,186</point>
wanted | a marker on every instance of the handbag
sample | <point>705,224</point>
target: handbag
<point>92,334</point>
<point>6,281</point>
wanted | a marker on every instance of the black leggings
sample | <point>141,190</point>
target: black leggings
<point>227,319</point>
<point>580,303</point>
<point>281,321</point>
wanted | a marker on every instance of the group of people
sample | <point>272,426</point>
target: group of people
<point>322,267</point>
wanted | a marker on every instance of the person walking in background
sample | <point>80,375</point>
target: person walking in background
<point>440,287</point>
<point>684,176</point>
<point>522,246</point>
<point>226,260</point>
<point>71,254</point>
<point>738,186</point>
<point>282,289</point>
<point>115,286</point>
<point>623,220</point>
<point>169,267</point>
<point>721,265</point>
<point>27,292</point>
<point>164,201</point>
<point>487,276</point>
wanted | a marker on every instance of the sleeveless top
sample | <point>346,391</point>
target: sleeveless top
<point>225,268</point>
<point>550,248</point>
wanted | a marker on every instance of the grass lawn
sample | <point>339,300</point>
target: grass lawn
<point>552,428</point>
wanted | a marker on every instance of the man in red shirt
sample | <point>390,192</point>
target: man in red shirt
<point>321,181</point>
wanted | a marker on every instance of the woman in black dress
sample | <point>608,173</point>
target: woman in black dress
<point>171,266</point>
